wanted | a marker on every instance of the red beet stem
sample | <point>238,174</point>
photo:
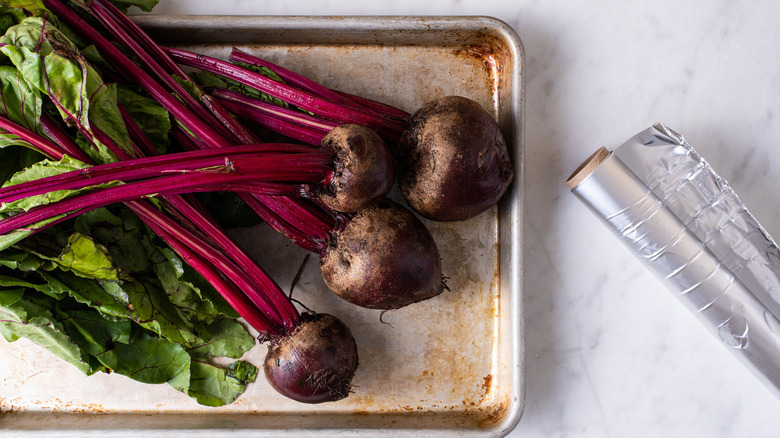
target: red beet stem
<point>292,95</point>
<point>280,222</point>
<point>160,186</point>
<point>289,76</point>
<point>382,108</point>
<point>136,74</point>
<point>116,22</point>
<point>301,167</point>
<point>195,252</point>
<point>291,123</point>
<point>307,84</point>
<point>144,146</point>
<point>36,142</point>
<point>66,145</point>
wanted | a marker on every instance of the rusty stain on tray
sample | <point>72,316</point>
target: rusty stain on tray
<point>54,405</point>
<point>491,56</point>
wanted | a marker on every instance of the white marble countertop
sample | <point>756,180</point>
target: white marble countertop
<point>610,352</point>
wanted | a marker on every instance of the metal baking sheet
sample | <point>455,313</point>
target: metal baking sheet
<point>450,366</point>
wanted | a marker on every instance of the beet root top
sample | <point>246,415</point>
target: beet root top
<point>364,169</point>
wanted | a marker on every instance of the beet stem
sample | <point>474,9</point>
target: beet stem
<point>289,94</point>
<point>163,65</point>
<point>195,253</point>
<point>37,142</point>
<point>135,73</point>
<point>309,166</point>
<point>113,19</point>
<point>307,84</point>
<point>289,76</point>
<point>293,124</point>
<point>66,145</point>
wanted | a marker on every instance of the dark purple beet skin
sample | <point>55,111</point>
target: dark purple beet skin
<point>315,363</point>
<point>384,258</point>
<point>364,168</point>
<point>453,161</point>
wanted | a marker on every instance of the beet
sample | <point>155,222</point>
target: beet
<point>364,168</point>
<point>453,161</point>
<point>315,363</point>
<point>384,258</point>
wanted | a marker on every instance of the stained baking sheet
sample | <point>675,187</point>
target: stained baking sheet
<point>452,365</point>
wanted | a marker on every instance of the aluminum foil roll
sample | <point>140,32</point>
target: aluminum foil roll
<point>691,230</point>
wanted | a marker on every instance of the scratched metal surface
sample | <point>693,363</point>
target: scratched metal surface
<point>449,366</point>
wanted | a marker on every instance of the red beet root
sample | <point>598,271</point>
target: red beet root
<point>364,168</point>
<point>315,363</point>
<point>384,258</point>
<point>453,161</point>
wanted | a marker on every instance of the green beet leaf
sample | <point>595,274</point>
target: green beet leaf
<point>88,259</point>
<point>20,269</point>
<point>186,296</point>
<point>22,105</point>
<point>21,102</point>
<point>29,317</point>
<point>169,298</point>
<point>213,385</point>
<point>191,286</point>
<point>88,292</point>
<point>51,63</point>
<point>11,282</point>
<point>153,119</point>
<point>44,168</point>
<point>136,250</point>
<point>147,359</point>
<point>10,295</point>
<point>123,233</point>
<point>122,263</point>
<point>22,261</point>
<point>81,255</point>
<point>18,10</point>
<point>227,338</point>
<point>155,311</point>
<point>94,333</point>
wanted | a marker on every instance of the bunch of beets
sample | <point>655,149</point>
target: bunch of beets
<point>325,186</point>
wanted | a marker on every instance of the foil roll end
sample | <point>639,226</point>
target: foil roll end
<point>587,167</point>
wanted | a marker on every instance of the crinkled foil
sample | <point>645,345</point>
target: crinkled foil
<point>691,230</point>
